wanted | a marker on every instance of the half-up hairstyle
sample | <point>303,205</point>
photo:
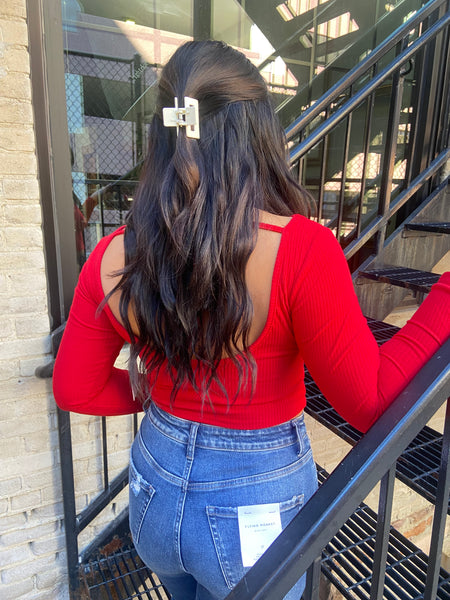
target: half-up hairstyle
<point>193,224</point>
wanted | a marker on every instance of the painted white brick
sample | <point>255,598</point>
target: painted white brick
<point>33,462</point>
<point>28,366</point>
<point>9,369</point>
<point>32,325</point>
<point>3,283</point>
<point>31,282</point>
<point>20,554</point>
<point>13,446</point>
<point>60,593</point>
<point>14,214</point>
<point>23,237</point>
<point>16,60</point>
<point>45,479</point>
<point>52,578</point>
<point>26,501</point>
<point>25,570</point>
<point>9,487</point>
<point>48,513</point>
<point>18,399</point>
<point>39,423</point>
<point>12,32</point>
<point>8,329</point>
<point>14,85</point>
<point>11,523</point>
<point>20,187</point>
<point>40,441</point>
<point>15,110</point>
<point>18,589</point>
<point>17,139</point>
<point>20,260</point>
<point>4,505</point>
<point>25,348</point>
<point>48,545</point>
<point>12,10</point>
<point>24,304</point>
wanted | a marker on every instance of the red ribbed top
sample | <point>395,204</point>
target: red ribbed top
<point>314,317</point>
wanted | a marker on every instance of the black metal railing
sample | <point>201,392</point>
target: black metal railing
<point>75,522</point>
<point>372,460</point>
<point>382,116</point>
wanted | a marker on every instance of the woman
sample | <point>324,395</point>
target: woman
<point>224,290</point>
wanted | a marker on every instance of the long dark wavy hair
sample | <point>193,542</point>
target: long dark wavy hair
<point>194,221</point>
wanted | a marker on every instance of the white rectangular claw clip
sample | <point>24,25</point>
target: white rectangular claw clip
<point>184,117</point>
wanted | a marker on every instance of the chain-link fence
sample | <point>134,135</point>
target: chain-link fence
<point>109,103</point>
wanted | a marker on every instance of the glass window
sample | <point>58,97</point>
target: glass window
<point>113,52</point>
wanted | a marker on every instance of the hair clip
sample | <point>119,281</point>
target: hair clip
<point>184,117</point>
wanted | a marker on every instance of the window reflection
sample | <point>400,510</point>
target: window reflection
<point>113,52</point>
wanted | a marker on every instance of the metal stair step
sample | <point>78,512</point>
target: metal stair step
<point>412,279</point>
<point>418,466</point>
<point>120,575</point>
<point>347,560</point>
<point>429,227</point>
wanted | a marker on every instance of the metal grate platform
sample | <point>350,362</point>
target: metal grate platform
<point>120,575</point>
<point>429,227</point>
<point>418,465</point>
<point>348,559</point>
<point>412,279</point>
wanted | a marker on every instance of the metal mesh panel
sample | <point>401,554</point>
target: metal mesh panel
<point>109,101</point>
<point>120,575</point>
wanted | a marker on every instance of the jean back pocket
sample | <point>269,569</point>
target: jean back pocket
<point>224,526</point>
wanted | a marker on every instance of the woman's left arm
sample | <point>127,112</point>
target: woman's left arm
<point>84,378</point>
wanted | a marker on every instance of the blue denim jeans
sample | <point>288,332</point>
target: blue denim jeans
<point>187,481</point>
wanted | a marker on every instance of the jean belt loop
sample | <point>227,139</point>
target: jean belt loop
<point>192,441</point>
<point>296,426</point>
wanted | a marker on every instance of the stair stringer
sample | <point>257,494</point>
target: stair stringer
<point>421,252</point>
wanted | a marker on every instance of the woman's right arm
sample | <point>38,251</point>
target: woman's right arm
<point>359,378</point>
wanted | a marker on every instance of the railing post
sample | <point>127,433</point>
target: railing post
<point>313,580</point>
<point>390,149</point>
<point>440,513</point>
<point>382,537</point>
<point>68,486</point>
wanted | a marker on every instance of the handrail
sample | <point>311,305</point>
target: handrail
<point>365,92</point>
<point>379,222</point>
<point>302,541</point>
<point>369,61</point>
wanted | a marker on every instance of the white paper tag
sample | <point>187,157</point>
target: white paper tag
<point>259,525</point>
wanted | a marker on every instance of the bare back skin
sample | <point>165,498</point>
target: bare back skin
<point>259,272</point>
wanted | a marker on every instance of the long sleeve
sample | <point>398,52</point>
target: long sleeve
<point>356,376</point>
<point>85,379</point>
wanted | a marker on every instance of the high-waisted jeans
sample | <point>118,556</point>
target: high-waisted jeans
<point>187,481</point>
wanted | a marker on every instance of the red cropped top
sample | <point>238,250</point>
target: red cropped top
<point>314,318</point>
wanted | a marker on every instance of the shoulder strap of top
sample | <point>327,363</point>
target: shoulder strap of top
<point>270,227</point>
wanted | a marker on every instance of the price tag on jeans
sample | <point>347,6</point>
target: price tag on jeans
<point>259,525</point>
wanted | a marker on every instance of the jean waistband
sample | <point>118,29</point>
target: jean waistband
<point>211,436</point>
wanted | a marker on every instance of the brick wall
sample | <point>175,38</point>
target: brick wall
<point>32,539</point>
<point>31,534</point>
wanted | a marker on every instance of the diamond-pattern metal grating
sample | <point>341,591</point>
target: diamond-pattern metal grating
<point>411,279</point>
<point>120,576</point>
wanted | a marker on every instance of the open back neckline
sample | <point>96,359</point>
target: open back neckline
<point>274,288</point>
